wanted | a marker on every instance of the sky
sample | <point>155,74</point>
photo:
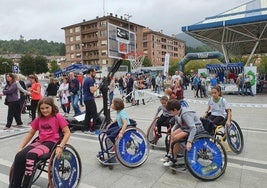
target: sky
<point>43,19</point>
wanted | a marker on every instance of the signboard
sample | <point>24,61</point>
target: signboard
<point>166,64</point>
<point>15,69</point>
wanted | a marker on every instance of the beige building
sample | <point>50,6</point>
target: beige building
<point>87,42</point>
<point>156,45</point>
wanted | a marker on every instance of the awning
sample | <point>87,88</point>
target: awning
<point>235,67</point>
<point>76,68</point>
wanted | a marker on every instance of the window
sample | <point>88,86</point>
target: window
<point>103,23</point>
<point>72,56</point>
<point>72,47</point>
<point>104,42</point>
<point>71,30</point>
<point>77,29</point>
<point>71,39</point>
<point>78,38</point>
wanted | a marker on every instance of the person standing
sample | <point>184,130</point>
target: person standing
<point>63,91</point>
<point>111,88</point>
<point>35,90</point>
<point>159,83</point>
<point>74,87</point>
<point>52,88</point>
<point>89,88</point>
<point>80,79</point>
<point>129,87</point>
<point>12,100</point>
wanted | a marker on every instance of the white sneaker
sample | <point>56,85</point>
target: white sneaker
<point>168,163</point>
<point>165,159</point>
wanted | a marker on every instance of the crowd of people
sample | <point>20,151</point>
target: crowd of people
<point>74,88</point>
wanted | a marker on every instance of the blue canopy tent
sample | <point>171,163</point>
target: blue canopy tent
<point>239,31</point>
<point>76,68</point>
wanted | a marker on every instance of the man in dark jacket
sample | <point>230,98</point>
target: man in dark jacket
<point>129,88</point>
<point>74,89</point>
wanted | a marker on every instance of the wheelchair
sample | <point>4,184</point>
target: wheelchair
<point>153,138</point>
<point>231,137</point>
<point>63,172</point>
<point>131,150</point>
<point>207,159</point>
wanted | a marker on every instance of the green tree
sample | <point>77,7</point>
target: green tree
<point>173,65</point>
<point>5,65</point>
<point>54,66</point>
<point>262,66</point>
<point>27,65</point>
<point>147,62</point>
<point>127,63</point>
<point>40,64</point>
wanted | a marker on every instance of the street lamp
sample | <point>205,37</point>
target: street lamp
<point>5,63</point>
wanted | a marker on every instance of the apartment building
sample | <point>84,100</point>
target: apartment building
<point>156,45</point>
<point>86,42</point>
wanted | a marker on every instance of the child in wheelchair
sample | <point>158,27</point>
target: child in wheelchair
<point>218,108</point>
<point>116,129</point>
<point>187,126</point>
<point>49,125</point>
<point>164,118</point>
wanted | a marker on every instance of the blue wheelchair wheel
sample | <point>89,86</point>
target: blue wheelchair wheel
<point>207,159</point>
<point>132,149</point>
<point>183,103</point>
<point>234,137</point>
<point>66,171</point>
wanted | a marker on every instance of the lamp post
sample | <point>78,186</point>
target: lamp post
<point>5,63</point>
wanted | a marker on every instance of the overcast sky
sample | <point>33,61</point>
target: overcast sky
<point>43,19</point>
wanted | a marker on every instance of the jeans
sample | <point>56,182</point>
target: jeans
<point>158,89</point>
<point>111,95</point>
<point>74,102</point>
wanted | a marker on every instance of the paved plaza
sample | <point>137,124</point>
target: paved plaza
<point>246,170</point>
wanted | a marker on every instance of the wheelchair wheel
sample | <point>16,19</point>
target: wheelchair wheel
<point>66,171</point>
<point>207,159</point>
<point>183,103</point>
<point>234,137</point>
<point>132,149</point>
<point>151,132</point>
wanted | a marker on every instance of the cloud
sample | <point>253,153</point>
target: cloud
<point>44,19</point>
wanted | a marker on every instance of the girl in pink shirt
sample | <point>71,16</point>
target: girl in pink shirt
<point>49,125</point>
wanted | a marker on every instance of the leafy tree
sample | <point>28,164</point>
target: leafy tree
<point>173,66</point>
<point>262,66</point>
<point>5,65</point>
<point>54,66</point>
<point>27,65</point>
<point>147,62</point>
<point>127,63</point>
<point>31,65</point>
<point>40,64</point>
<point>35,46</point>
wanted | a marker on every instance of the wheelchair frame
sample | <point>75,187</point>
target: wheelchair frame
<point>153,138</point>
<point>131,150</point>
<point>65,171</point>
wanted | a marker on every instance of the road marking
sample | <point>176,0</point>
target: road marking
<point>249,168</point>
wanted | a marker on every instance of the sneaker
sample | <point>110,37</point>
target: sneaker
<point>169,163</point>
<point>166,158</point>
<point>89,132</point>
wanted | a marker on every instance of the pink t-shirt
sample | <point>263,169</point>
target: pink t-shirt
<point>49,127</point>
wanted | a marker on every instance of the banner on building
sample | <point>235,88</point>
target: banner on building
<point>166,64</point>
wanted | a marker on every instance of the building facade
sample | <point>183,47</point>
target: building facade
<point>156,45</point>
<point>87,42</point>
